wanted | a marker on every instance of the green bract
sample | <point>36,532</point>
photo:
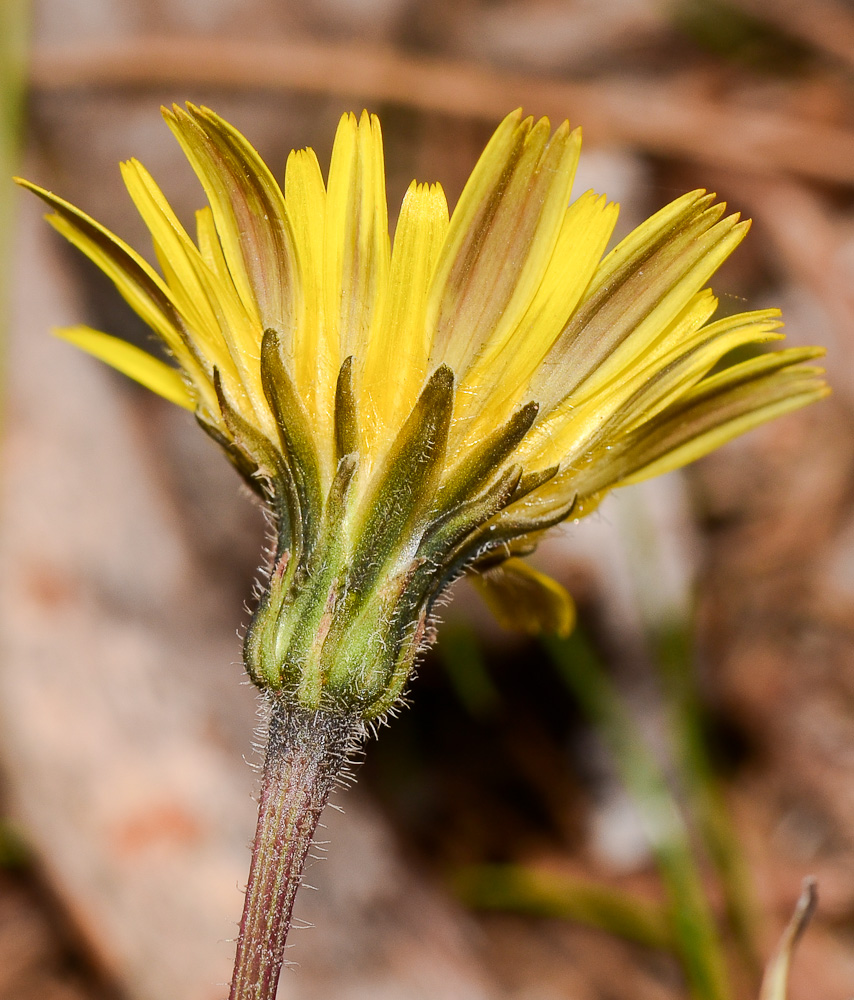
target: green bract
<point>417,409</point>
<point>353,583</point>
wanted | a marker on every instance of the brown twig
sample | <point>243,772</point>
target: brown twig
<point>668,117</point>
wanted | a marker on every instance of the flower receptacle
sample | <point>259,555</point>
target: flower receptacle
<point>346,607</point>
<point>322,646</point>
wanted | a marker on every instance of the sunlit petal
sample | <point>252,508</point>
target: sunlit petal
<point>417,413</point>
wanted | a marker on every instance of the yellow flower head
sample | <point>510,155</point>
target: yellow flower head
<point>423,408</point>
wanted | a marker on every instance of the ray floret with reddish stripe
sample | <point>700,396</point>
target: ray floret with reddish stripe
<point>416,409</point>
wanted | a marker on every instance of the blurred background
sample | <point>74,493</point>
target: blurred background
<point>627,813</point>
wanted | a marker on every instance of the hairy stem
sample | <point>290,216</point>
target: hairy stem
<point>306,752</point>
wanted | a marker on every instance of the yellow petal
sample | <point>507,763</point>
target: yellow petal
<point>208,302</point>
<point>249,211</point>
<point>684,366</point>
<point>501,237</point>
<point>499,378</point>
<point>648,236</point>
<point>140,286</point>
<point>569,431</point>
<point>621,318</point>
<point>314,350</point>
<point>645,390</point>
<point>179,259</point>
<point>130,360</point>
<point>807,392</point>
<point>751,370</point>
<point>712,413</point>
<point>525,600</point>
<point>397,359</point>
<point>356,240</point>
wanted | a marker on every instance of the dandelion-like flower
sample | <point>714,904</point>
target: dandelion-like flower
<point>420,409</point>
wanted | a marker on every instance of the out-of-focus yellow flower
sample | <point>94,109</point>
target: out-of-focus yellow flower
<point>419,409</point>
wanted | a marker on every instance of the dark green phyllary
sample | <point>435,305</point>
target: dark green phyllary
<point>418,411</point>
<point>415,411</point>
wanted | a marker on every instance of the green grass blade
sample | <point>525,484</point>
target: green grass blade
<point>664,600</point>
<point>697,940</point>
<point>520,889</point>
<point>707,800</point>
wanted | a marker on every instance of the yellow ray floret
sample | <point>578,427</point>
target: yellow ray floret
<point>132,361</point>
<point>480,378</point>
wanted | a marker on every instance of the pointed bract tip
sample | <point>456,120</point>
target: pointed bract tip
<point>443,376</point>
<point>269,341</point>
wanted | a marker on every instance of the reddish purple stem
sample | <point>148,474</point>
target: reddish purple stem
<point>306,752</point>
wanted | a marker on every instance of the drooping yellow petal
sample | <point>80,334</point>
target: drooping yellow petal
<point>525,600</point>
<point>132,361</point>
<point>501,238</point>
<point>397,359</point>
